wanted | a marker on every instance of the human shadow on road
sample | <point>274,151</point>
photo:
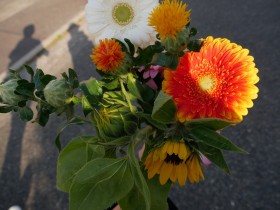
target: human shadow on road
<point>15,183</point>
<point>25,45</point>
<point>14,186</point>
<point>80,48</point>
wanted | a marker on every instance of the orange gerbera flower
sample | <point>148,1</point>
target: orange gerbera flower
<point>217,82</point>
<point>108,55</point>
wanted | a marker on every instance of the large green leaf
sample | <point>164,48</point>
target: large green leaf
<point>74,121</point>
<point>215,155</point>
<point>139,197</point>
<point>159,193</point>
<point>100,183</point>
<point>147,194</point>
<point>212,138</point>
<point>211,123</point>
<point>164,108</point>
<point>73,157</point>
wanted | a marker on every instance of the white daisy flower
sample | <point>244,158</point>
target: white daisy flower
<point>121,19</point>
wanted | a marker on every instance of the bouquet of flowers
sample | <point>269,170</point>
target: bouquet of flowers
<point>162,92</point>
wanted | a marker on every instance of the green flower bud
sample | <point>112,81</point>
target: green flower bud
<point>7,92</point>
<point>178,44</point>
<point>111,121</point>
<point>57,92</point>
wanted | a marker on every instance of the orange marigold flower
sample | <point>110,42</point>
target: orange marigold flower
<point>217,82</point>
<point>108,55</point>
<point>169,18</point>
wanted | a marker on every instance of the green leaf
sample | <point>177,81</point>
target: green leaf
<point>73,78</point>
<point>87,108</point>
<point>25,113</point>
<point>93,86</point>
<point>130,127</point>
<point>168,60</point>
<point>37,79</point>
<point>46,79</point>
<point>29,71</point>
<point>73,157</point>
<point>110,84</point>
<point>212,138</point>
<point>100,183</point>
<point>6,109</point>
<point>145,55</point>
<point>130,46</point>
<point>124,140</point>
<point>193,32</point>
<point>195,45</point>
<point>214,155</point>
<point>164,108</point>
<point>159,193</point>
<point>134,87</point>
<point>25,89</point>
<point>211,123</point>
<point>73,121</point>
<point>153,122</point>
<point>42,116</point>
<point>143,196</point>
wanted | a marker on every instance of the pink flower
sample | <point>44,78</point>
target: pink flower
<point>151,73</point>
<point>205,160</point>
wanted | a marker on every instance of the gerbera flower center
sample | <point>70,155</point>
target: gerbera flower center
<point>122,13</point>
<point>173,159</point>
<point>207,83</point>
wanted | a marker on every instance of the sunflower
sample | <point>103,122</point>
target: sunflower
<point>217,82</point>
<point>169,18</point>
<point>174,161</point>
<point>108,55</point>
<point>120,19</point>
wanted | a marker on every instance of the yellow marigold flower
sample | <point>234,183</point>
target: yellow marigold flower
<point>169,18</point>
<point>108,55</point>
<point>173,161</point>
<point>217,82</point>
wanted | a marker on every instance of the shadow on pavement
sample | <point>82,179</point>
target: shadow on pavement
<point>25,45</point>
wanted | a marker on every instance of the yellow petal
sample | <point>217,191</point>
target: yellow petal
<point>176,148</point>
<point>173,175</point>
<point>163,151</point>
<point>154,169</point>
<point>182,173</point>
<point>165,173</point>
<point>183,151</point>
<point>156,155</point>
<point>170,148</point>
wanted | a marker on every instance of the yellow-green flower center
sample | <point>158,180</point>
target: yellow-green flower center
<point>207,83</point>
<point>122,13</point>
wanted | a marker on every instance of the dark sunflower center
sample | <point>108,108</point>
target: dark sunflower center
<point>173,159</point>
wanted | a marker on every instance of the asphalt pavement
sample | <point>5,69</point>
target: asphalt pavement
<point>25,24</point>
<point>28,154</point>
